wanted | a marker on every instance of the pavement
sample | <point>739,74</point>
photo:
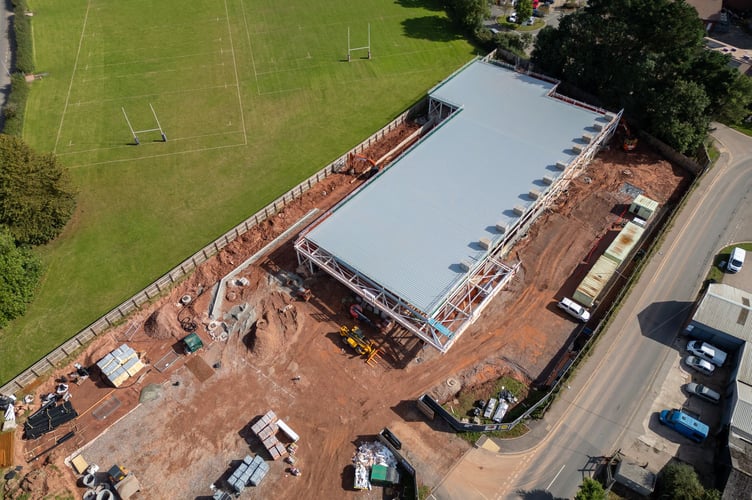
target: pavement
<point>6,13</point>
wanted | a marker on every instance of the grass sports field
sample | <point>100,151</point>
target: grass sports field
<point>253,95</point>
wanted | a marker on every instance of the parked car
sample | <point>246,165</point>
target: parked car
<point>707,352</point>
<point>530,21</point>
<point>512,17</point>
<point>700,365</point>
<point>703,392</point>
<point>736,260</point>
<point>574,309</point>
<point>537,13</point>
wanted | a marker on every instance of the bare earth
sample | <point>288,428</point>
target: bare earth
<point>187,439</point>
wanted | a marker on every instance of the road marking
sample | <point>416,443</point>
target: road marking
<point>555,477</point>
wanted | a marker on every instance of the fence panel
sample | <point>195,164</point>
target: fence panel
<point>178,272</point>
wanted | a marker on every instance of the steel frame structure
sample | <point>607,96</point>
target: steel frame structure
<point>442,327</point>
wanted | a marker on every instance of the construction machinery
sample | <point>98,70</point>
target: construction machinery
<point>355,338</point>
<point>630,141</point>
<point>126,485</point>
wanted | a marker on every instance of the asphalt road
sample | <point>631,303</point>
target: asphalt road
<point>606,405</point>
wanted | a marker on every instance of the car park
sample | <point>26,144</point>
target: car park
<point>700,365</point>
<point>703,392</point>
<point>574,309</point>
<point>707,352</point>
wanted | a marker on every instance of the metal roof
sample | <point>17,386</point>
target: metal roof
<point>741,413</point>
<point>597,278</point>
<point>726,309</point>
<point>625,241</point>
<point>413,225</point>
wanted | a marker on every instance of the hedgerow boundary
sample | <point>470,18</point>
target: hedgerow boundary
<point>22,48</point>
<point>51,360</point>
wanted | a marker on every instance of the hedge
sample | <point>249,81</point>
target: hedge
<point>16,105</point>
<point>24,42</point>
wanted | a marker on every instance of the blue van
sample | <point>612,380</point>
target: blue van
<point>685,425</point>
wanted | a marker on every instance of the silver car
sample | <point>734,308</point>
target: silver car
<point>703,392</point>
<point>700,365</point>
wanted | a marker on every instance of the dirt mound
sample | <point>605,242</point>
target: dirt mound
<point>158,325</point>
<point>277,323</point>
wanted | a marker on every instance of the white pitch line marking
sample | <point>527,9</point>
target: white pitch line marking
<point>73,75</point>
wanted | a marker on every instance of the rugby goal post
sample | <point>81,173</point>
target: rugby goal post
<point>134,133</point>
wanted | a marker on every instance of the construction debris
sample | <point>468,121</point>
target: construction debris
<point>368,456</point>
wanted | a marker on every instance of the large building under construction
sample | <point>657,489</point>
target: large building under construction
<point>424,241</point>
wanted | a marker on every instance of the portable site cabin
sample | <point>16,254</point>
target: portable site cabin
<point>192,343</point>
<point>643,207</point>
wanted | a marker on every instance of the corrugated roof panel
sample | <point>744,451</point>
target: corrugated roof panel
<point>597,278</point>
<point>720,308</point>
<point>416,222</point>
<point>628,237</point>
<point>741,416</point>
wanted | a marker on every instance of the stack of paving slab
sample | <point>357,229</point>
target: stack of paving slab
<point>250,472</point>
<point>266,430</point>
<point>120,364</point>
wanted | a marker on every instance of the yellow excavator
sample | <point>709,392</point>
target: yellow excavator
<point>630,141</point>
<point>354,338</point>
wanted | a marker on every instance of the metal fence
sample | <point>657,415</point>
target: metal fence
<point>165,282</point>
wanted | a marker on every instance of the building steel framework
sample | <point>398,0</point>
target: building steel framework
<point>441,328</point>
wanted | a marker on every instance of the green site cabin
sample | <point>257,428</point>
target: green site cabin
<point>192,343</point>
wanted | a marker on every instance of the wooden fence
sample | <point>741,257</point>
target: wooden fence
<point>50,361</point>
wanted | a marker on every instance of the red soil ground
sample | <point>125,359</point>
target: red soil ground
<point>185,440</point>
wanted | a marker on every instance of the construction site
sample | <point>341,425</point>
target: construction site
<point>431,270</point>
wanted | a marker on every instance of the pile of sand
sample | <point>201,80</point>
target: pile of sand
<point>158,325</point>
<point>277,323</point>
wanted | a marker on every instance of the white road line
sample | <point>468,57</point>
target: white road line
<point>555,477</point>
<point>73,75</point>
<point>237,79</point>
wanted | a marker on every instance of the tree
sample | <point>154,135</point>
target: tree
<point>20,271</point>
<point>679,481</point>
<point>738,101</point>
<point>468,14</point>
<point>524,10</point>
<point>590,489</point>
<point>616,50</point>
<point>36,197</point>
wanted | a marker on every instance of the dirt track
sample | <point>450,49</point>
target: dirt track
<point>181,443</point>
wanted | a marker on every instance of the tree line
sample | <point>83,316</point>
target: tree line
<point>36,201</point>
<point>647,57</point>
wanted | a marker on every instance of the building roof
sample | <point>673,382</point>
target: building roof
<point>707,10</point>
<point>726,309</point>
<point>741,413</point>
<point>412,227</point>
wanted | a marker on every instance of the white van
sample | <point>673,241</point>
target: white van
<point>736,260</point>
<point>707,352</point>
<point>574,309</point>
